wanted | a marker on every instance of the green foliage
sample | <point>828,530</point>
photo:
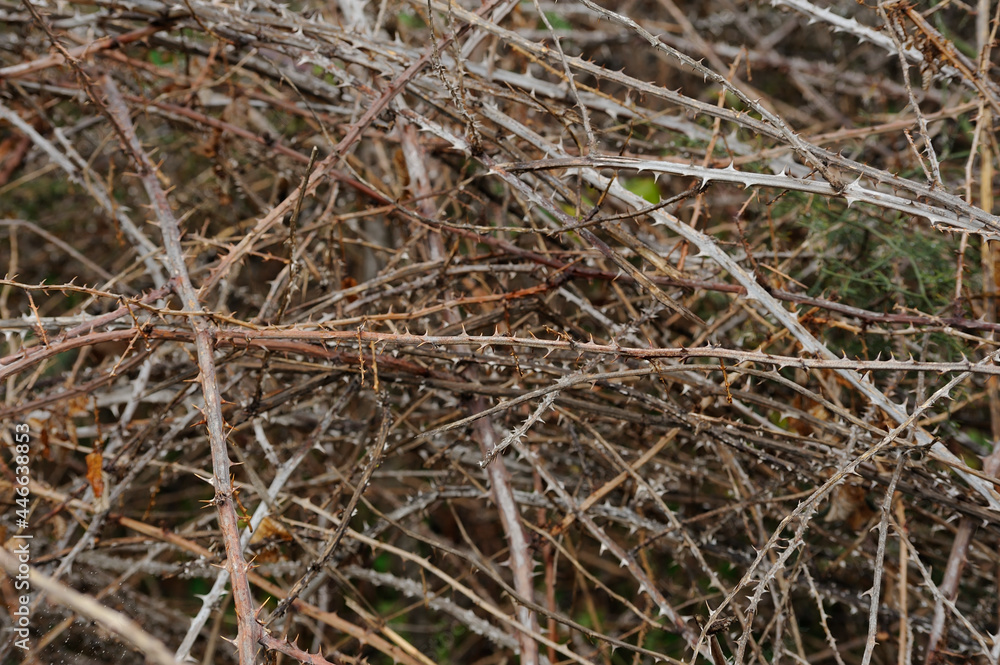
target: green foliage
<point>884,264</point>
<point>446,639</point>
<point>556,21</point>
<point>645,187</point>
<point>382,563</point>
<point>410,20</point>
<point>160,58</point>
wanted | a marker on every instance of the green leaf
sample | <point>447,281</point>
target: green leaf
<point>411,21</point>
<point>556,21</point>
<point>644,187</point>
<point>160,58</point>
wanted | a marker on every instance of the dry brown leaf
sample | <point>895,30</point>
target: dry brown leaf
<point>95,474</point>
<point>849,506</point>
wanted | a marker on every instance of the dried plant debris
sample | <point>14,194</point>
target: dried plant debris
<point>466,332</point>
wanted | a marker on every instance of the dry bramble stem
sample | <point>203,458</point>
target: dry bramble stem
<point>692,304</point>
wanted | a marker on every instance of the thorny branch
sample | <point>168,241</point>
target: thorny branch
<point>670,325</point>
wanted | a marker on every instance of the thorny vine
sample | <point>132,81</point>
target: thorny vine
<point>572,332</point>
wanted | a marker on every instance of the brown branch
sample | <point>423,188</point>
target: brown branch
<point>204,333</point>
<point>81,52</point>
